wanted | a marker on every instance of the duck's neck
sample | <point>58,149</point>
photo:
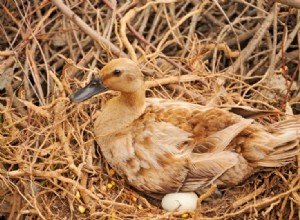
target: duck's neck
<point>135,100</point>
<point>120,112</point>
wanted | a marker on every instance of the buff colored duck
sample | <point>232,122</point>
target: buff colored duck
<point>162,146</point>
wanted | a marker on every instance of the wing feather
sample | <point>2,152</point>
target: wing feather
<point>205,168</point>
<point>219,140</point>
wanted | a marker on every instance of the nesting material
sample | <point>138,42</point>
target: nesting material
<point>206,52</point>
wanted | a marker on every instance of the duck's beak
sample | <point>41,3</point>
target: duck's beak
<point>94,87</point>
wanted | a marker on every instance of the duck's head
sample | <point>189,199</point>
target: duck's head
<point>121,74</point>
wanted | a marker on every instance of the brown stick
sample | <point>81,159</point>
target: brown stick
<point>292,3</point>
<point>253,43</point>
<point>86,28</point>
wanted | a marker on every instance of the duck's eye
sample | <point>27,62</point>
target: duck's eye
<point>117,72</point>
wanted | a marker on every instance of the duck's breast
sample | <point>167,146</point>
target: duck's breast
<point>149,155</point>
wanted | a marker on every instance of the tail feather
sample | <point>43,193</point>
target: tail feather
<point>272,163</point>
<point>286,148</point>
<point>282,140</point>
<point>292,124</point>
<point>282,157</point>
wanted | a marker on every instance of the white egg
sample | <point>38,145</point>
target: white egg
<point>181,201</point>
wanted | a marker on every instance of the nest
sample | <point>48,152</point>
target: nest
<point>207,52</point>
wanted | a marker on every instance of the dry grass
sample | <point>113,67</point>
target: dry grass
<point>207,52</point>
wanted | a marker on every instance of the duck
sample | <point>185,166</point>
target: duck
<point>160,146</point>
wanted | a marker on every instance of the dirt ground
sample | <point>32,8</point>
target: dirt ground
<point>206,52</point>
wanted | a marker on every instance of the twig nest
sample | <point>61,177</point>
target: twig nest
<point>181,201</point>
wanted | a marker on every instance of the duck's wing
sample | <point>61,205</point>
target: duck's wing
<point>211,129</point>
<point>205,132</point>
<point>219,140</point>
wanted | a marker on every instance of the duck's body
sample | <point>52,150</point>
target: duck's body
<point>162,146</point>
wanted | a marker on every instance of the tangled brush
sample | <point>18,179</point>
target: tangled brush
<point>206,52</point>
